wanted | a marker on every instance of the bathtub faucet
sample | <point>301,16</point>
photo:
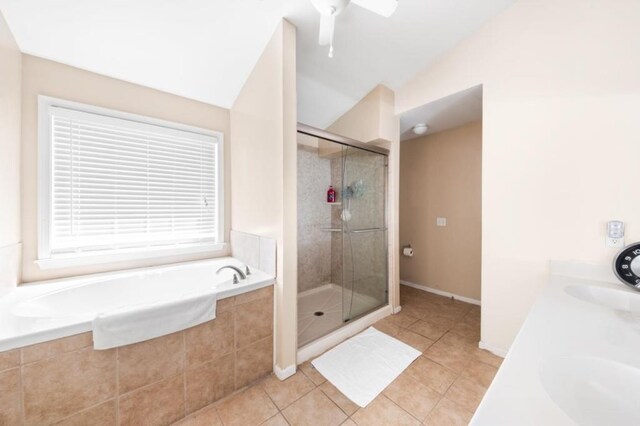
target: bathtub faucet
<point>235,277</point>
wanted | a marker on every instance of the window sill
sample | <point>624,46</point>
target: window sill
<point>67,261</point>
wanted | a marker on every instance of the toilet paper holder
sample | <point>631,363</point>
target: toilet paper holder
<point>407,250</point>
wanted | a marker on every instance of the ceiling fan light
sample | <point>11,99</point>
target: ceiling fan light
<point>420,129</point>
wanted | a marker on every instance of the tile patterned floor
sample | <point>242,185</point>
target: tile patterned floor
<point>442,387</point>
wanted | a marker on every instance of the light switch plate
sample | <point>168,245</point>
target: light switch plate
<point>441,221</point>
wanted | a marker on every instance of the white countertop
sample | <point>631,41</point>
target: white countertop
<point>573,361</point>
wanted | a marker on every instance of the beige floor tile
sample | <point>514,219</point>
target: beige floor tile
<point>382,411</point>
<point>480,373</point>
<point>466,343</point>
<point>466,393</point>
<point>403,319</point>
<point>428,329</point>
<point>277,420</point>
<point>414,340</point>
<point>454,357</point>
<point>470,331</point>
<point>487,357</point>
<point>248,408</point>
<point>386,326</point>
<point>431,374</point>
<point>415,311</point>
<point>313,374</point>
<point>349,422</point>
<point>315,408</point>
<point>410,395</point>
<point>344,403</point>
<point>283,393</point>
<point>448,413</point>
<point>208,416</point>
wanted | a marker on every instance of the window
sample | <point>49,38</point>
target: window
<point>119,184</point>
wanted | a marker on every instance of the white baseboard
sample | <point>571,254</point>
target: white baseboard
<point>284,373</point>
<point>440,292</point>
<point>494,350</point>
<point>319,346</point>
<point>397,309</point>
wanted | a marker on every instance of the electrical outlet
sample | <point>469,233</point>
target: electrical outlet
<point>615,242</point>
<point>441,221</point>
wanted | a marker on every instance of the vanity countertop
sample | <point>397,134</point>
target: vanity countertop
<point>576,359</point>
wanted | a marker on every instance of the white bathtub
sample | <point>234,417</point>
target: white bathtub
<point>49,310</point>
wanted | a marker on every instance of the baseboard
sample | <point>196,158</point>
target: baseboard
<point>496,351</point>
<point>397,309</point>
<point>284,373</point>
<point>440,292</point>
<point>319,346</point>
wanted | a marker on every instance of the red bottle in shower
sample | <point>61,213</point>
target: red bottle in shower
<point>331,195</point>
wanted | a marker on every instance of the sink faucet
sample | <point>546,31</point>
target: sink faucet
<point>235,277</point>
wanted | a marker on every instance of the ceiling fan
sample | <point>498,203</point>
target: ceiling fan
<point>329,9</point>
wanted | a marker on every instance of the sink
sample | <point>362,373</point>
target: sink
<point>622,301</point>
<point>593,391</point>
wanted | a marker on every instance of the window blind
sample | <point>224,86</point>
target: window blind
<point>120,184</point>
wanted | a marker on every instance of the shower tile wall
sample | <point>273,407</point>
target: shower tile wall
<point>314,245</point>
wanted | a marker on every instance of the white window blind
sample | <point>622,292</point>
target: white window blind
<point>119,184</point>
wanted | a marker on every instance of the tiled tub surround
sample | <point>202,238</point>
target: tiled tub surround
<point>156,382</point>
<point>40,312</point>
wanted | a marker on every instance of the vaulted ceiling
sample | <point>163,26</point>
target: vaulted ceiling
<point>205,49</point>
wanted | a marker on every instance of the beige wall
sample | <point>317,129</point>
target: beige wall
<point>10,234</point>
<point>263,163</point>
<point>561,95</point>
<point>43,77</point>
<point>440,176</point>
<point>372,120</point>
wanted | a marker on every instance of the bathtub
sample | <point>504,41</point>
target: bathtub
<point>39,312</point>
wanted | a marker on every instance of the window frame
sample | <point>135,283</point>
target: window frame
<point>45,259</point>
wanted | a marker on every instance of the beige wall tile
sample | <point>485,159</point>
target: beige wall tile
<point>383,411</point>
<point>210,340</point>
<point>147,362</point>
<point>254,361</point>
<point>209,382</point>
<point>161,403</point>
<point>284,392</point>
<point>266,292</point>
<point>58,387</point>
<point>250,407</point>
<point>101,415</point>
<point>56,347</point>
<point>10,401</point>
<point>9,359</point>
<point>253,321</point>
<point>225,305</point>
<point>315,408</point>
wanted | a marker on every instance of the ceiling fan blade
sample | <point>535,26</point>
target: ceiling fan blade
<point>381,7</point>
<point>326,30</point>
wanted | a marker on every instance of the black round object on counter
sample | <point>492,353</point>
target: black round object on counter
<point>626,265</point>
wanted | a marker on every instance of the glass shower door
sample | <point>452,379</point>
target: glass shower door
<point>364,232</point>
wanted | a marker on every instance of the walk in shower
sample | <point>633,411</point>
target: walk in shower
<point>342,245</point>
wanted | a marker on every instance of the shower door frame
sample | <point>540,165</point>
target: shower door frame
<point>343,140</point>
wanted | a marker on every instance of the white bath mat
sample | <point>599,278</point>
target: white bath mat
<point>364,365</point>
